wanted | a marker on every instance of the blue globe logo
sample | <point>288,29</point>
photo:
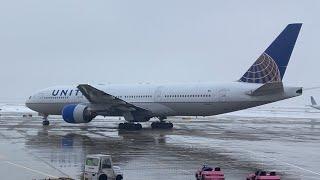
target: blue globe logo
<point>264,70</point>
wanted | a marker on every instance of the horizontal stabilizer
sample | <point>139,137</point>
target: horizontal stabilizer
<point>268,88</point>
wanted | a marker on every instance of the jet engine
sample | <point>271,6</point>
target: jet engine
<point>77,113</point>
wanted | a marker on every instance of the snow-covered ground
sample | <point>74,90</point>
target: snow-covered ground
<point>15,108</point>
<point>269,111</point>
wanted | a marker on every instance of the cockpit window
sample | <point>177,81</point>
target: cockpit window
<point>30,97</point>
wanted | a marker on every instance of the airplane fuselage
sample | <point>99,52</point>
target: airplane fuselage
<point>196,99</point>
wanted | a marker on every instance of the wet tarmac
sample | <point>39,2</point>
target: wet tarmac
<point>238,143</point>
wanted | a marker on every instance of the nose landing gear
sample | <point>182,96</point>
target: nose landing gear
<point>45,121</point>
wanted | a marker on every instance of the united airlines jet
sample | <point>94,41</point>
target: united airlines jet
<point>260,84</point>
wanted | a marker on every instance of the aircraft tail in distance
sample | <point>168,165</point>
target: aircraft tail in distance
<point>313,102</point>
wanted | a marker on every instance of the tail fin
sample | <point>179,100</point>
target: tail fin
<point>313,102</point>
<point>272,64</point>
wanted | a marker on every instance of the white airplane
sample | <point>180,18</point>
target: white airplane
<point>314,103</point>
<point>261,84</point>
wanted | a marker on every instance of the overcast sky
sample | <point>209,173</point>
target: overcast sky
<point>45,43</point>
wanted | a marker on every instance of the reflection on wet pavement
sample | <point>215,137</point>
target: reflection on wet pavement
<point>237,144</point>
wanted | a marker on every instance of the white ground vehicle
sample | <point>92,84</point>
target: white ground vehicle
<point>100,167</point>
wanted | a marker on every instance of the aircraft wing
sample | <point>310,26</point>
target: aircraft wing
<point>96,96</point>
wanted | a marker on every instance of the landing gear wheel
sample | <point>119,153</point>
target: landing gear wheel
<point>121,126</point>
<point>45,123</point>
<point>130,126</point>
<point>161,125</point>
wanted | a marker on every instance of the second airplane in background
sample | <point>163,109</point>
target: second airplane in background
<point>314,103</point>
<point>260,84</point>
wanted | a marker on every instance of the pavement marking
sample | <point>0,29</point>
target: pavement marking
<point>289,164</point>
<point>33,170</point>
<point>186,171</point>
<point>298,167</point>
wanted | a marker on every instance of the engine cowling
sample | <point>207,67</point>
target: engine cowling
<point>77,113</point>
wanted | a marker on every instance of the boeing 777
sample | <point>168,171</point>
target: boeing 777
<point>260,84</point>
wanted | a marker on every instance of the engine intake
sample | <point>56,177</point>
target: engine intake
<point>77,114</point>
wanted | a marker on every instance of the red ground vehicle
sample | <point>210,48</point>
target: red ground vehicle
<point>263,175</point>
<point>208,173</point>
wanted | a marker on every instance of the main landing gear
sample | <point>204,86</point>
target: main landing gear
<point>45,121</point>
<point>162,124</point>
<point>130,126</point>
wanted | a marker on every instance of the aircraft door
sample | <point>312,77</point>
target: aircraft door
<point>158,94</point>
<point>220,95</point>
